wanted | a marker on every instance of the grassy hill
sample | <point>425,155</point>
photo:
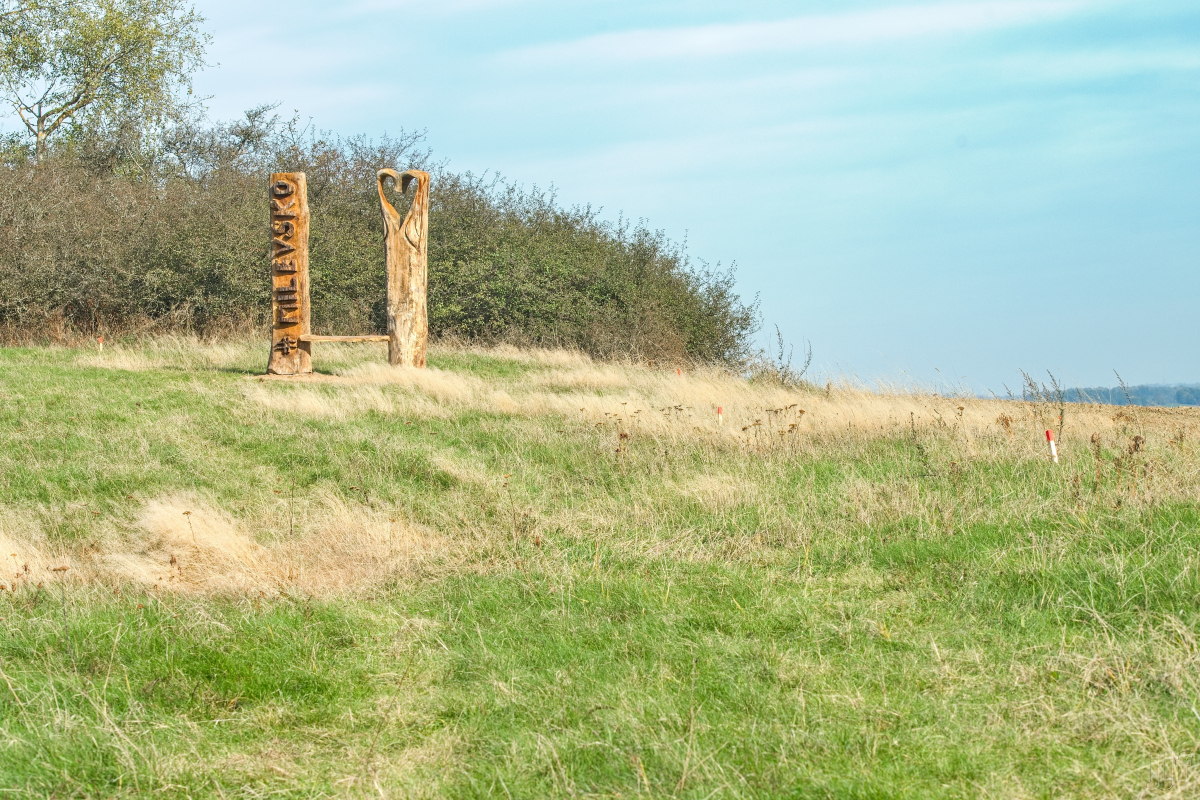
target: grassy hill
<point>525,574</point>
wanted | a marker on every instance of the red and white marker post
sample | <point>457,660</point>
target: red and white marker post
<point>1053,449</point>
<point>720,419</point>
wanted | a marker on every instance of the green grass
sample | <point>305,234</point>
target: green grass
<point>856,617</point>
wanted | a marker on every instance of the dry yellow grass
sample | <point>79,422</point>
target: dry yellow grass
<point>25,556</point>
<point>660,401</point>
<point>524,557</point>
<point>169,352</point>
<point>189,544</point>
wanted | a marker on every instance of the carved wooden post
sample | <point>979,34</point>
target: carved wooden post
<point>289,275</point>
<point>406,245</point>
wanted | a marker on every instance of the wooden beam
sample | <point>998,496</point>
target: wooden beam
<point>290,354</point>
<point>406,246</point>
<point>310,337</point>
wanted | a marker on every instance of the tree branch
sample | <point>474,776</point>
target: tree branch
<point>115,55</point>
<point>23,9</point>
<point>21,114</point>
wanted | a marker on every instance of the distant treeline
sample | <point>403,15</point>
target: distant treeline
<point>118,229</point>
<point>1169,396</point>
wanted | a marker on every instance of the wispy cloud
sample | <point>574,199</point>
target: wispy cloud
<point>857,28</point>
<point>444,7</point>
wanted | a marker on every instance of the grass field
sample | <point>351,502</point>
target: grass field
<point>524,574</point>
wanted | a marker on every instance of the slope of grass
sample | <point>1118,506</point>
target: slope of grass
<point>523,574</point>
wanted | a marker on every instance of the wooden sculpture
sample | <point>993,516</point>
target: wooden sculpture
<point>406,247</point>
<point>291,352</point>
<point>405,244</point>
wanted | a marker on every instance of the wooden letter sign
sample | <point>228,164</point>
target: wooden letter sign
<point>406,246</point>
<point>290,353</point>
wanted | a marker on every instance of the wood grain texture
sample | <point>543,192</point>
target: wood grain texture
<point>406,246</point>
<point>311,337</point>
<point>290,312</point>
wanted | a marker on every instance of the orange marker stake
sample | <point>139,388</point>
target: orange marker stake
<point>720,420</point>
<point>1053,449</point>
<point>101,344</point>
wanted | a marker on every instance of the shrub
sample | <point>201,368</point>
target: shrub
<point>113,231</point>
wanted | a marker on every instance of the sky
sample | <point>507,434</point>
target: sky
<point>936,192</point>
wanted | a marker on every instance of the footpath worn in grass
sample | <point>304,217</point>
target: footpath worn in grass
<point>524,574</point>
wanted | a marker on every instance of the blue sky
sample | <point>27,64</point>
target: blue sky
<point>944,192</point>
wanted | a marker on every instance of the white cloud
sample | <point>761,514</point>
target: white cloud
<point>1094,64</point>
<point>442,7</point>
<point>858,28</point>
